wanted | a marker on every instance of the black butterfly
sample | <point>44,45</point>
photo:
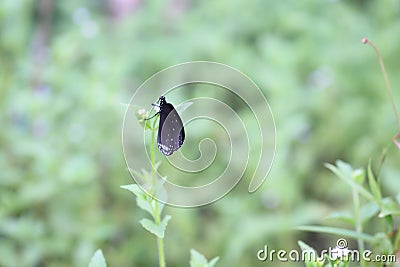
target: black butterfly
<point>171,133</point>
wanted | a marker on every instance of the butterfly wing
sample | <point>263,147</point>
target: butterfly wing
<point>171,133</point>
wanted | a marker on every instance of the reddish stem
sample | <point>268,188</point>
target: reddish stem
<point>388,86</point>
<point>396,137</point>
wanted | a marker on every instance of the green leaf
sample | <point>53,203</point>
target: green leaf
<point>134,188</point>
<point>313,254</point>
<point>368,211</point>
<point>343,173</point>
<point>382,244</point>
<point>373,185</point>
<point>344,216</point>
<point>344,167</point>
<point>389,207</point>
<point>164,222</point>
<point>398,198</point>
<point>155,229</point>
<point>213,262</point>
<point>142,200</point>
<point>97,259</point>
<point>151,227</point>
<point>336,231</point>
<point>144,204</point>
<point>359,176</point>
<point>144,175</point>
<point>198,260</point>
<point>389,223</point>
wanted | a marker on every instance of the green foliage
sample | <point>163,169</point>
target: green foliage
<point>154,207</point>
<point>147,203</point>
<point>385,209</point>
<point>143,200</point>
<point>98,259</point>
<point>350,176</point>
<point>309,262</point>
<point>198,260</point>
<point>65,70</point>
<point>155,229</point>
<point>374,186</point>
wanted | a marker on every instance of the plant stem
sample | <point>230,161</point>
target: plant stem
<point>388,86</point>
<point>160,242</point>
<point>152,155</point>
<point>358,223</point>
<point>161,255</point>
<point>396,241</point>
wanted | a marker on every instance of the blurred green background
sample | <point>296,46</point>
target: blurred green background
<point>66,66</point>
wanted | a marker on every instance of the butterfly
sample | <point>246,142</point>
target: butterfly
<point>171,132</point>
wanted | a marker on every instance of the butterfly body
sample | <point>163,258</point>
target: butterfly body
<point>171,132</point>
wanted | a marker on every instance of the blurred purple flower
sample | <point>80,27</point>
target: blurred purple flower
<point>121,8</point>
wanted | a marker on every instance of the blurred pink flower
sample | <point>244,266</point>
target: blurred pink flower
<point>121,8</point>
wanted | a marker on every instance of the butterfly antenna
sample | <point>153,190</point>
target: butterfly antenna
<point>152,107</point>
<point>152,116</point>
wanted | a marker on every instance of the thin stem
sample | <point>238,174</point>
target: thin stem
<point>358,223</point>
<point>152,151</point>
<point>388,86</point>
<point>396,241</point>
<point>160,242</point>
<point>161,254</point>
